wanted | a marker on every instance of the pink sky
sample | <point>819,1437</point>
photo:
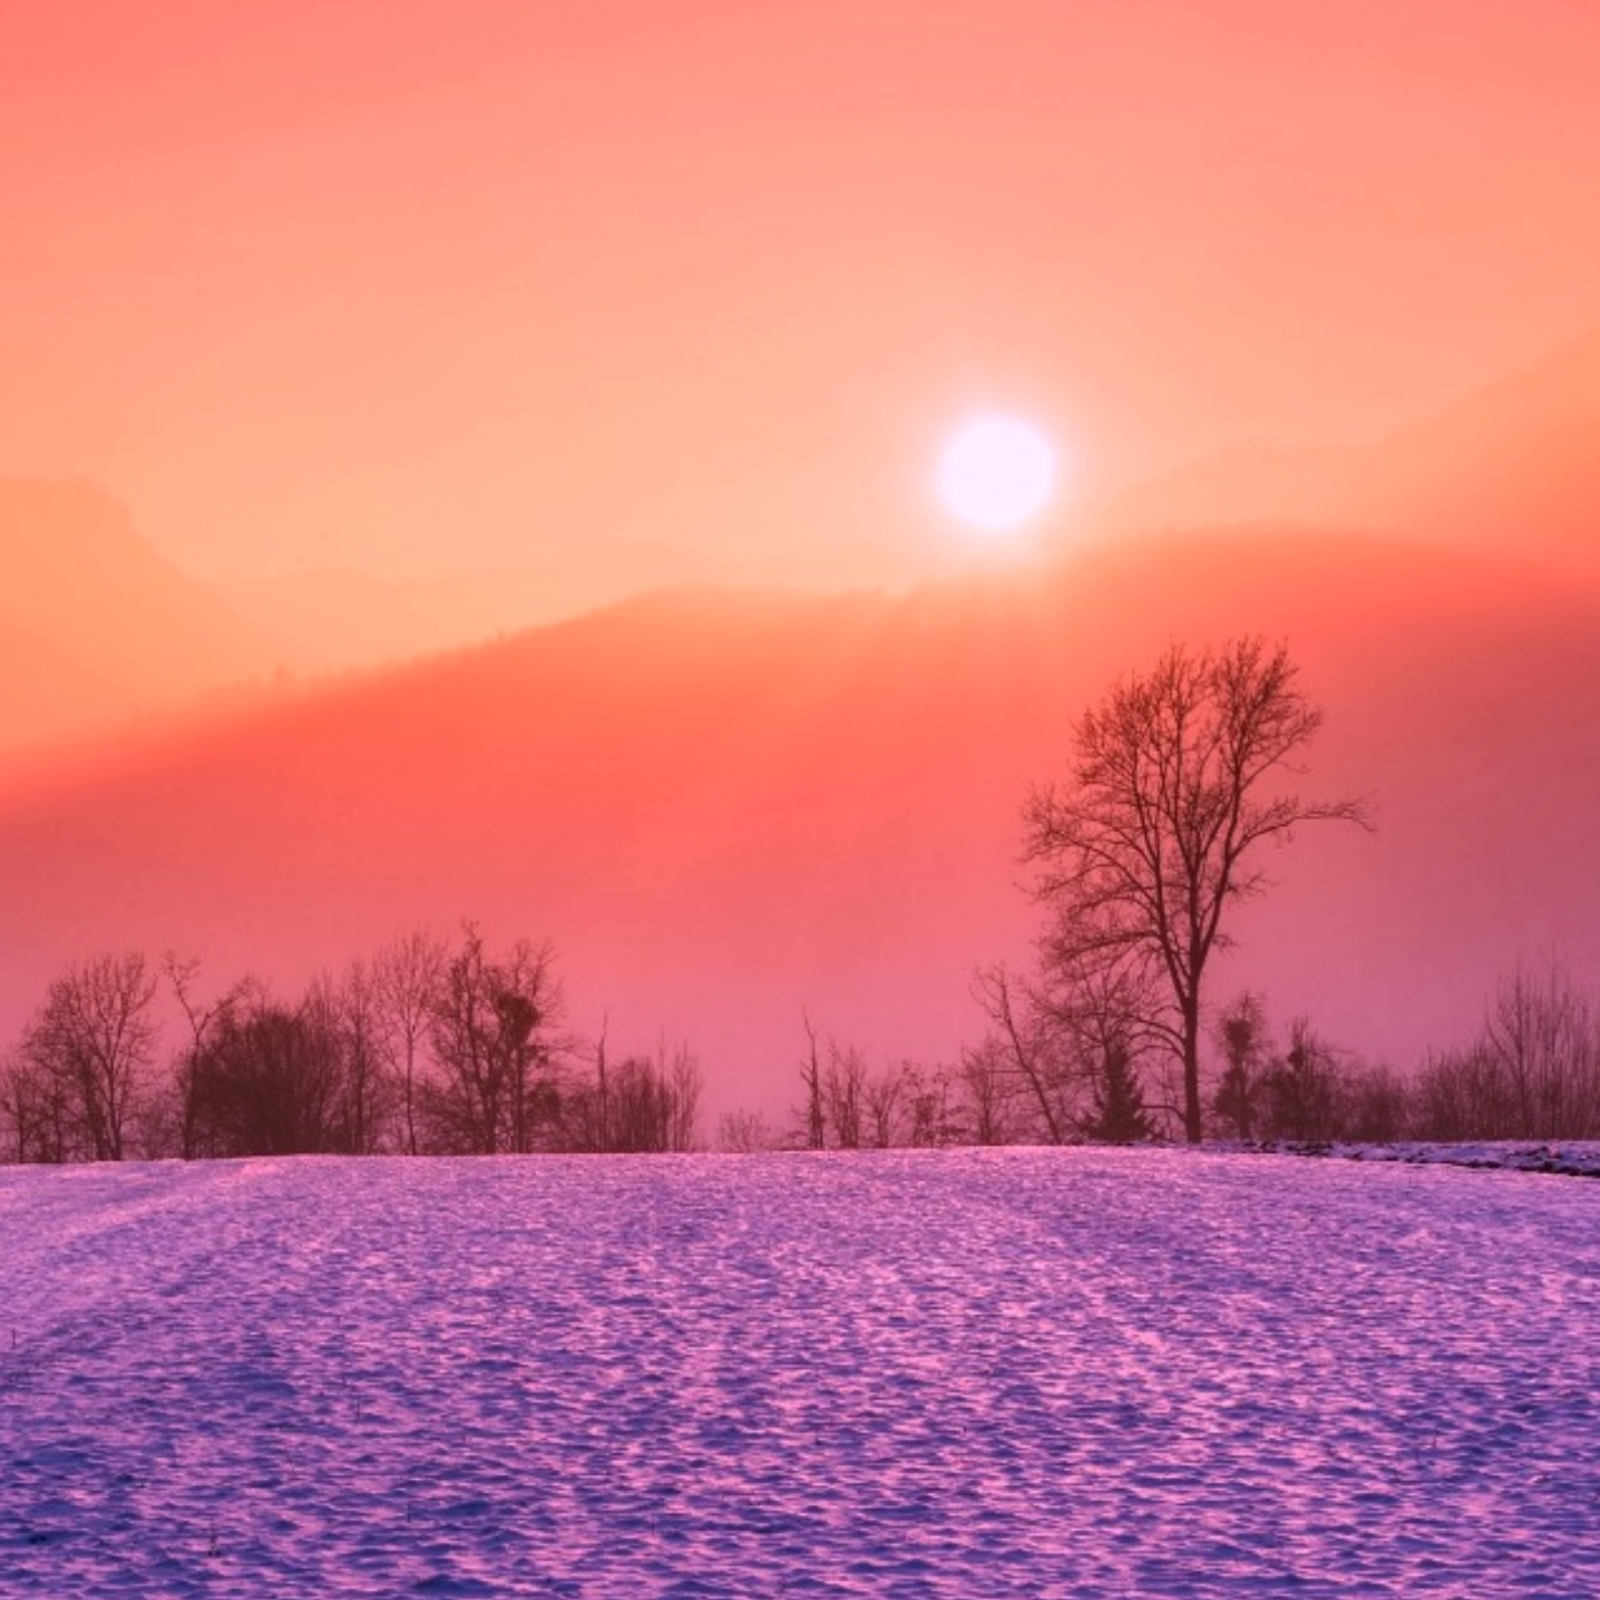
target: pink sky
<point>411,286</point>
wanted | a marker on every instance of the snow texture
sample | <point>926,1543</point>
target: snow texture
<point>1579,1159</point>
<point>1074,1373</point>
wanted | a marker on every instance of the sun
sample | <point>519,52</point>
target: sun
<point>997,473</point>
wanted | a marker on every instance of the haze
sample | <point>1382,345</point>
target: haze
<point>338,339</point>
<point>697,292</point>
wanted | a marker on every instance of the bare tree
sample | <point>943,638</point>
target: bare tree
<point>270,1078</point>
<point>987,1093</point>
<point>686,1085</point>
<point>1532,1072</point>
<point>929,1118</point>
<point>491,1036</point>
<point>1304,1091</point>
<point>1160,827</point>
<point>883,1093</point>
<point>636,1106</point>
<point>743,1132</point>
<point>1543,1037</point>
<point>36,1112</point>
<point>203,1020</point>
<point>599,1107</point>
<point>814,1125</point>
<point>407,974</point>
<point>1240,1031</point>
<point>1460,1095</point>
<point>94,1038</point>
<point>844,1094</point>
<point>359,1023</point>
<point>1378,1105</point>
<point>1022,1046</point>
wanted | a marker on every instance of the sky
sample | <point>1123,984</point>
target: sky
<point>409,286</point>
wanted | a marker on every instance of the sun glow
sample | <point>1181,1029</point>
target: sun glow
<point>997,473</point>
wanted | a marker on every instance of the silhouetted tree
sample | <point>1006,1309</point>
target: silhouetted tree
<point>93,1041</point>
<point>985,1093</point>
<point>1377,1106</point>
<point>36,1114</point>
<point>687,1086</point>
<point>1159,828</point>
<point>813,1119</point>
<point>1117,1110</point>
<point>407,974</point>
<point>1023,1047</point>
<point>636,1105</point>
<point>883,1094</point>
<point>1303,1089</point>
<point>270,1080</point>
<point>1241,1035</point>
<point>844,1094</point>
<point>1543,1036</point>
<point>743,1132</point>
<point>929,1116</point>
<point>491,1037</point>
<point>203,1019</point>
<point>354,1015</point>
<point>1532,1071</point>
<point>641,1108</point>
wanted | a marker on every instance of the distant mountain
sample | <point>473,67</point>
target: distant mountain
<point>1516,466</point>
<point>334,619</point>
<point>94,626</point>
<point>337,619</point>
<point>729,808</point>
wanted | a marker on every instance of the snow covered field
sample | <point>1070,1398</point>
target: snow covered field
<point>965,1374</point>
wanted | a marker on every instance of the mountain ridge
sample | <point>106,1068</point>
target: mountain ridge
<point>1517,462</point>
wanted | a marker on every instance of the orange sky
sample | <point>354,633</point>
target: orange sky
<point>411,286</point>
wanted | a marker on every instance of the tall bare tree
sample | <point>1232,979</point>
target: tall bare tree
<point>844,1091</point>
<point>987,1094</point>
<point>645,1105</point>
<point>1022,1049</point>
<point>204,1019</point>
<point>359,1023</point>
<point>813,1120</point>
<point>687,1084</point>
<point>1542,1036</point>
<point>1174,789</point>
<point>406,975</point>
<point>35,1112</point>
<point>95,1038</point>
<point>1304,1091</point>
<point>491,1036</point>
<point>1531,1072</point>
<point>1240,1031</point>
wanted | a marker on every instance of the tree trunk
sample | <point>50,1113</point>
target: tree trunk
<point>1191,1073</point>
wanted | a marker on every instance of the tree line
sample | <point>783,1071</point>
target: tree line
<point>1178,783</point>
<point>430,1046</point>
<point>1529,1071</point>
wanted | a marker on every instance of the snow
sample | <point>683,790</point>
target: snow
<point>1571,1159</point>
<point>966,1374</point>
